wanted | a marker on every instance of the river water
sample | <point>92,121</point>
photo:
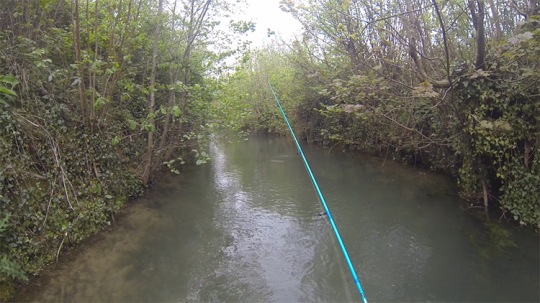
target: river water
<point>245,228</point>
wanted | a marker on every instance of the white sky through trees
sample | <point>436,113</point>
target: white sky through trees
<point>267,14</point>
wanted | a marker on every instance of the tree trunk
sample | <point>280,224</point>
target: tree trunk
<point>480,36</point>
<point>527,154</point>
<point>486,204</point>
<point>168,118</point>
<point>77,49</point>
<point>477,14</point>
<point>151,104</point>
<point>496,20</point>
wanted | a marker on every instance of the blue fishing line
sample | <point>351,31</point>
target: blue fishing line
<point>351,268</point>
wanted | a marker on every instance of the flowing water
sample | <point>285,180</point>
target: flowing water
<point>245,228</point>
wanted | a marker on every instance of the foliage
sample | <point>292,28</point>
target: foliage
<point>245,101</point>
<point>450,86</point>
<point>76,81</point>
<point>8,268</point>
<point>503,124</point>
<point>7,95</point>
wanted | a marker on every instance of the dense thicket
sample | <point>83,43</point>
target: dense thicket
<point>451,85</point>
<point>96,96</point>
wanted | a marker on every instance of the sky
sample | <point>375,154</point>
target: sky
<point>267,14</point>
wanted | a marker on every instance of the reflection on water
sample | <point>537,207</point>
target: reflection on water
<point>244,228</point>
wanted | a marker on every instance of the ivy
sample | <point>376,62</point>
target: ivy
<point>78,136</point>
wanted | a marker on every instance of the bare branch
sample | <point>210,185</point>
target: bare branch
<point>516,7</point>
<point>414,53</point>
<point>445,41</point>
<point>400,14</point>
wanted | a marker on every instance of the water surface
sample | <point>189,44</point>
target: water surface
<point>244,228</point>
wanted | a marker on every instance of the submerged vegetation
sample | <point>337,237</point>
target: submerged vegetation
<point>97,96</point>
<point>448,85</point>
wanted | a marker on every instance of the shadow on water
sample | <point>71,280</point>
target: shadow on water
<point>244,228</point>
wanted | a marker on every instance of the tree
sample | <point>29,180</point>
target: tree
<point>420,80</point>
<point>151,103</point>
<point>88,92</point>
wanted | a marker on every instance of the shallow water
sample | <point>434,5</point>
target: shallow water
<point>244,228</point>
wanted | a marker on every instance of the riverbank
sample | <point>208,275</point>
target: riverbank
<point>58,281</point>
<point>97,253</point>
<point>89,114</point>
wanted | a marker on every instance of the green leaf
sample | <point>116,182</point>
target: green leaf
<point>11,269</point>
<point>486,124</point>
<point>4,222</point>
<point>132,124</point>
<point>9,79</point>
<point>96,189</point>
<point>100,102</point>
<point>7,92</point>
<point>176,111</point>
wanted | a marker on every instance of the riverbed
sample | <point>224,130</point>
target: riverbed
<point>245,228</point>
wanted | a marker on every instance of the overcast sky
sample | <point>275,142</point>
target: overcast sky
<point>267,14</point>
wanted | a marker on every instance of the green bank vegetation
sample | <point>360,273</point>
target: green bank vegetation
<point>449,85</point>
<point>95,97</point>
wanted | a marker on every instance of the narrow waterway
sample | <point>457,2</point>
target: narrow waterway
<point>244,228</point>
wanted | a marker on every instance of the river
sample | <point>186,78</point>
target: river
<point>245,228</point>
